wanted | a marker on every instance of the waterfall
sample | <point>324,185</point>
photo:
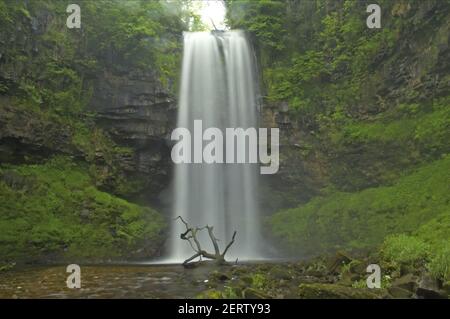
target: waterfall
<point>218,86</point>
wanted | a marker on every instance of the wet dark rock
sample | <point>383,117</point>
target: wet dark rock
<point>24,136</point>
<point>340,259</point>
<point>359,267</point>
<point>284,188</point>
<point>400,293</point>
<point>138,112</point>
<point>220,276</point>
<point>429,288</point>
<point>446,288</point>
<point>408,282</point>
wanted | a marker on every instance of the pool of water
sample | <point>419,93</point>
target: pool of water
<point>105,281</point>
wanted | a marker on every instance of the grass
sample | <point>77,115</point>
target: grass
<point>405,249</point>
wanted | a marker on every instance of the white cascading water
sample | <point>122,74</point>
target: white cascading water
<point>218,86</point>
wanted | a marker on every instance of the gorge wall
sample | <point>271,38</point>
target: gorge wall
<point>363,115</point>
<point>85,117</point>
<point>85,114</point>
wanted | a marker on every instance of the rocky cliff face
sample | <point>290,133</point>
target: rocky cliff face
<point>303,168</point>
<point>364,118</point>
<point>24,136</point>
<point>84,119</point>
<point>138,113</point>
<point>402,80</point>
<point>69,96</point>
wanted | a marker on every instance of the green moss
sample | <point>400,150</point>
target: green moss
<point>259,281</point>
<point>429,129</point>
<point>210,294</point>
<point>333,291</point>
<point>54,209</point>
<point>362,219</point>
<point>436,232</point>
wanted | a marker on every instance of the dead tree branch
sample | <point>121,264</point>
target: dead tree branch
<point>191,236</point>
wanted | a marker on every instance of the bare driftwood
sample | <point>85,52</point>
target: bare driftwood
<point>191,236</point>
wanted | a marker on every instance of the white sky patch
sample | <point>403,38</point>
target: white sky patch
<point>212,13</point>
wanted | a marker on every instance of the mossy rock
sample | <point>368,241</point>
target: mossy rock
<point>408,282</point>
<point>251,293</point>
<point>358,267</point>
<point>400,293</point>
<point>247,280</point>
<point>335,264</point>
<point>333,291</point>
<point>210,294</point>
<point>280,273</point>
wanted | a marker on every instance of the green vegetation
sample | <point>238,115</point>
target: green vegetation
<point>49,70</point>
<point>372,105</point>
<point>439,265</point>
<point>428,246</point>
<point>53,210</point>
<point>415,252</point>
<point>425,127</point>
<point>383,130</point>
<point>404,249</point>
<point>362,219</point>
